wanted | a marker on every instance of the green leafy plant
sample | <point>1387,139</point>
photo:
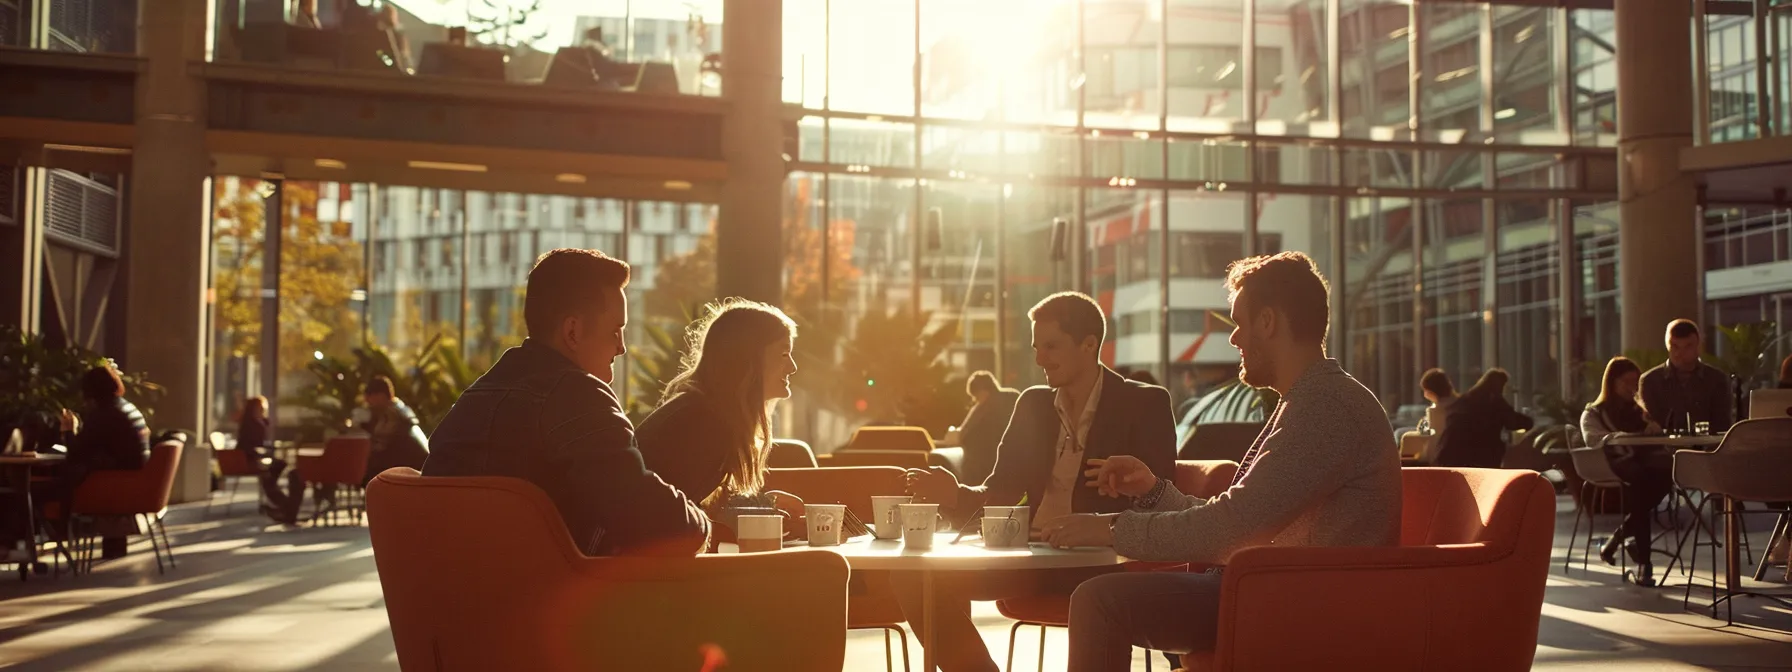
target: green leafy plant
<point>39,379</point>
<point>892,369</point>
<point>1744,355</point>
<point>430,383</point>
<point>651,366</point>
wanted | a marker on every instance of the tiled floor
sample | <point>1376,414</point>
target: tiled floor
<point>262,598</point>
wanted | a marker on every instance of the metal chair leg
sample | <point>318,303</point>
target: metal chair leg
<point>1579,509</point>
<point>154,544</point>
<point>167,544</point>
<point>1773,540</point>
<point>1012,633</point>
<point>1042,647</point>
<point>889,656</point>
<point>902,637</point>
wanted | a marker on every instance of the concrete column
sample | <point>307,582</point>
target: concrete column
<point>1659,241</point>
<point>749,234</point>
<point>168,251</point>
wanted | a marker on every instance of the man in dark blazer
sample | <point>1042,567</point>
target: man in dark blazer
<point>1084,412</point>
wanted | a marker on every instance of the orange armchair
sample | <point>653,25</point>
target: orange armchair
<point>138,493</point>
<point>481,574</point>
<point>1197,478</point>
<point>1463,591</point>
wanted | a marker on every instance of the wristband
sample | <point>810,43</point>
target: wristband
<point>1149,499</point>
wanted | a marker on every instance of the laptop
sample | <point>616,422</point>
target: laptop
<point>1769,404</point>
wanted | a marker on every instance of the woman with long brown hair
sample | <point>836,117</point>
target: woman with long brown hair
<point>712,429</point>
<point>1647,473</point>
<point>1474,423</point>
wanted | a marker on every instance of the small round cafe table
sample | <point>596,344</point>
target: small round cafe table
<point>968,555</point>
<point>19,468</point>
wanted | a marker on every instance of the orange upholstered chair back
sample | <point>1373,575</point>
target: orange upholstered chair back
<point>891,438</point>
<point>1485,617</point>
<point>1204,478</point>
<point>344,461</point>
<point>127,493</point>
<point>1463,591</point>
<point>236,463</point>
<point>906,459</point>
<point>481,574</point>
<point>1461,506</point>
<point>852,486</point>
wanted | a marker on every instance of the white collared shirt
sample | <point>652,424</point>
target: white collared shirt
<point>1067,468</point>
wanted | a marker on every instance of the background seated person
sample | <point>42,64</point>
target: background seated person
<point>1684,391</point>
<point>1323,473</point>
<point>545,413</point>
<point>1475,424</point>
<point>252,439</point>
<point>991,407</point>
<point>1085,411</point>
<point>1647,473</point>
<point>392,427</point>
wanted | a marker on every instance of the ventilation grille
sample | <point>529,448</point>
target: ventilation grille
<point>82,212</point>
<point>11,33</point>
<point>71,25</point>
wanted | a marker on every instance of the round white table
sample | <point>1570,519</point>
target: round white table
<point>866,553</point>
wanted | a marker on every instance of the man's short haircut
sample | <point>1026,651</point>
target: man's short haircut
<point>1075,313</point>
<point>1289,282</point>
<point>569,281</point>
<point>379,385</point>
<point>101,383</point>
<point>981,381</point>
<point>1437,382</point>
<point>1682,329</point>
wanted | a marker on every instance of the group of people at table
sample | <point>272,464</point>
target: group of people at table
<point>1091,452</point>
<point>1683,395</point>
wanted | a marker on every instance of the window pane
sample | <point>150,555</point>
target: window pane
<point>1376,86</point>
<point>871,65</point>
<point>1529,296</point>
<point>1378,300</point>
<point>1206,65</point>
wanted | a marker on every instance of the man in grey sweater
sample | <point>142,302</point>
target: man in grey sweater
<point>1324,472</point>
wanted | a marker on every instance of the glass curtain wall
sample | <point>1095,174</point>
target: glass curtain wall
<point>424,285</point>
<point>1133,148</point>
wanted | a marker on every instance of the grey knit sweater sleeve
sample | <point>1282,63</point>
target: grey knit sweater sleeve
<point>1327,474</point>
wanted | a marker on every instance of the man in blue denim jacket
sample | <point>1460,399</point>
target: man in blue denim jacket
<point>545,413</point>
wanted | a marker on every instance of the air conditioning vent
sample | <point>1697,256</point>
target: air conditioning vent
<point>81,212</point>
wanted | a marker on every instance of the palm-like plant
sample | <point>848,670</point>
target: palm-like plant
<point>429,384</point>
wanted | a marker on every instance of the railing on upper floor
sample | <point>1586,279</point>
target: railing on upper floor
<point>1747,238</point>
<point>600,53</point>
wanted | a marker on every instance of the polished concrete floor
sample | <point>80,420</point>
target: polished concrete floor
<point>254,597</point>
